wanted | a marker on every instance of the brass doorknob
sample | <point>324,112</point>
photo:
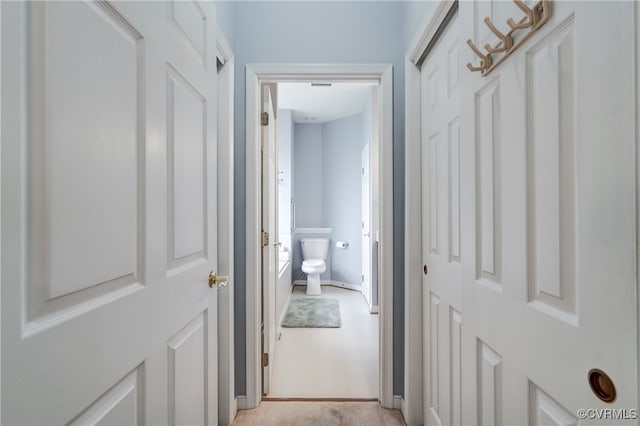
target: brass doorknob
<point>220,280</point>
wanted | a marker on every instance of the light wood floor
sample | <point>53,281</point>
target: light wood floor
<point>329,362</point>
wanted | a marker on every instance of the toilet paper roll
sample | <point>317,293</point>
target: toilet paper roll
<point>342,244</point>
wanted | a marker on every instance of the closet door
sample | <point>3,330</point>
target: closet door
<point>108,213</point>
<point>548,213</point>
<point>440,113</point>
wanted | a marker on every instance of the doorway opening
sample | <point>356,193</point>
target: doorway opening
<point>262,93</point>
<point>322,185</point>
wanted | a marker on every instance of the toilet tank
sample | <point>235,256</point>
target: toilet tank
<point>314,248</point>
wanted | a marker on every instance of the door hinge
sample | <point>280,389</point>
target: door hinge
<point>363,171</point>
<point>362,277</point>
<point>264,119</point>
<point>264,239</point>
<point>265,360</point>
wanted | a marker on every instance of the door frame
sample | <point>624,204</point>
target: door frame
<point>414,376</point>
<point>256,74</point>
<point>637,83</point>
<point>227,403</point>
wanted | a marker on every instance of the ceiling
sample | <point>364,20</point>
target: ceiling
<point>319,104</point>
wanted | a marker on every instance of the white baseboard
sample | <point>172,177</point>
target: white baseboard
<point>403,408</point>
<point>398,402</point>
<point>234,410</point>
<point>283,314</point>
<point>241,401</point>
<point>355,287</point>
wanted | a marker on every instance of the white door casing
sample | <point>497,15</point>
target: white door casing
<point>269,225</point>
<point>366,227</point>
<point>108,213</point>
<point>382,214</point>
<point>548,224</point>
<point>440,147</point>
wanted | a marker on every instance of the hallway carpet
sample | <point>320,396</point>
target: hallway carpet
<point>297,413</point>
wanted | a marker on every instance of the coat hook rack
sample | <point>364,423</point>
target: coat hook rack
<point>535,17</point>
<point>485,60</point>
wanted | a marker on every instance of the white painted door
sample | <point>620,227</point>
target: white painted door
<point>108,213</point>
<point>269,225</point>
<point>440,114</point>
<point>227,406</point>
<point>548,226</point>
<point>366,227</point>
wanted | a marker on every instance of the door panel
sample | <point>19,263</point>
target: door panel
<point>74,264</point>
<point>186,162</point>
<point>108,215</point>
<point>187,372</point>
<point>120,405</point>
<point>441,229</point>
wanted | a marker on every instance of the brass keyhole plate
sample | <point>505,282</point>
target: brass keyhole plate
<point>602,385</point>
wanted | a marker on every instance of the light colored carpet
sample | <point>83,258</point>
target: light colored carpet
<point>319,414</point>
<point>313,312</point>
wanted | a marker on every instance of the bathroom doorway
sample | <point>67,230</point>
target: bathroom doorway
<point>257,76</point>
<point>323,131</point>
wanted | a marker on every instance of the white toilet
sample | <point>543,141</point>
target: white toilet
<point>314,253</point>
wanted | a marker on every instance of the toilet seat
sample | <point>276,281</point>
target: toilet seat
<point>313,263</point>
<point>313,266</point>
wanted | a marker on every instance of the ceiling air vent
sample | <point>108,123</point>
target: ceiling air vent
<point>321,84</point>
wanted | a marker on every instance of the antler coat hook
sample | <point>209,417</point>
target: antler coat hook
<point>506,41</point>
<point>528,21</point>
<point>534,18</point>
<point>485,60</point>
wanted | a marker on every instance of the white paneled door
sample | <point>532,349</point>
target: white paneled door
<point>270,227</point>
<point>529,207</point>
<point>108,213</point>
<point>440,112</point>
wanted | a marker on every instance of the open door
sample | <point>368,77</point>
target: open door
<point>108,213</point>
<point>269,232</point>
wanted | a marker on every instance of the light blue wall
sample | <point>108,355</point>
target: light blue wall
<point>321,32</point>
<point>342,195</point>
<point>415,13</point>
<point>308,185</point>
<point>225,18</point>
<point>307,175</point>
